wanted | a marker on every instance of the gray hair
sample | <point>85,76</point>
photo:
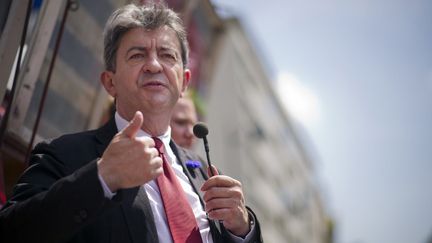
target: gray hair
<point>151,17</point>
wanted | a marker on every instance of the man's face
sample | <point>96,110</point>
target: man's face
<point>149,72</point>
<point>182,121</point>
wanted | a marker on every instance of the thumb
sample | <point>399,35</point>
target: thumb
<point>134,125</point>
<point>212,169</point>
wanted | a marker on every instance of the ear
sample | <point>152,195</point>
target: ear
<point>106,78</point>
<point>186,79</point>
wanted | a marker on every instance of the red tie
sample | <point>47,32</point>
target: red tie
<point>181,220</point>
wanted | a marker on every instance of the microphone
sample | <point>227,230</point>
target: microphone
<point>200,130</point>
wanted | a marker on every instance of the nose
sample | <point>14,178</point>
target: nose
<point>152,65</point>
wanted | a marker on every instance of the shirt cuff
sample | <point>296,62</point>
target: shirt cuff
<point>107,192</point>
<point>248,237</point>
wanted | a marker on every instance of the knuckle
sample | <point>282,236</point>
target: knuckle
<point>208,195</point>
<point>237,183</point>
<point>234,202</point>
<point>236,193</point>
<point>149,142</point>
<point>216,213</point>
<point>158,161</point>
<point>159,172</point>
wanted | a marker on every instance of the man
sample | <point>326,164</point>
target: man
<point>117,183</point>
<point>183,118</point>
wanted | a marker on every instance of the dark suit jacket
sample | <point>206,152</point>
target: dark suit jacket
<point>59,197</point>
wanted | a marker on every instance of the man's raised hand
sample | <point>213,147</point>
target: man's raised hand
<point>130,161</point>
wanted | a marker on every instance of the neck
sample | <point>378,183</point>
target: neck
<point>154,124</point>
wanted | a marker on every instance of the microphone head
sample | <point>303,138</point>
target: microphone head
<point>200,130</point>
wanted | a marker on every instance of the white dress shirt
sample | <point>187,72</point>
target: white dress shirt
<point>155,199</point>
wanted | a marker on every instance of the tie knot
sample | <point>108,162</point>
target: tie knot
<point>159,145</point>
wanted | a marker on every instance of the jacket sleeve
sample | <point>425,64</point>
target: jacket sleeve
<point>52,202</point>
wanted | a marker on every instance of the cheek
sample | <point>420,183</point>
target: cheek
<point>184,129</point>
<point>173,73</point>
<point>126,80</point>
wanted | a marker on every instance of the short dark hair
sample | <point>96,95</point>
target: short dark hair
<point>150,16</point>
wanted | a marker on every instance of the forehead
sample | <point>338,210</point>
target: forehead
<point>161,37</point>
<point>185,107</point>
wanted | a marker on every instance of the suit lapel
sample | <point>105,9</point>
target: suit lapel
<point>195,175</point>
<point>104,136</point>
<point>139,216</point>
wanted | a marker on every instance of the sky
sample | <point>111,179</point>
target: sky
<point>356,75</point>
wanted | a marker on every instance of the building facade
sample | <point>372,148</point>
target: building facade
<point>251,138</point>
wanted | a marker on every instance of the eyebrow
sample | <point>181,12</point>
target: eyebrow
<point>171,49</point>
<point>143,49</point>
<point>135,48</point>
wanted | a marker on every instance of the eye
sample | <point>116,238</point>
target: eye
<point>136,56</point>
<point>168,55</point>
<point>181,121</point>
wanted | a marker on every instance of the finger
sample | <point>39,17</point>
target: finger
<point>220,214</point>
<point>134,125</point>
<point>152,152</point>
<point>149,142</point>
<point>156,167</point>
<point>220,181</point>
<point>219,203</point>
<point>223,192</point>
<point>212,169</point>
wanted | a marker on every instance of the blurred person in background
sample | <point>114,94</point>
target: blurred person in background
<point>183,119</point>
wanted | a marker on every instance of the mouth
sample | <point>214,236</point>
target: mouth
<point>154,84</point>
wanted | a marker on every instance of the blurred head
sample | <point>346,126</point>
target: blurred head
<point>183,119</point>
<point>145,52</point>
